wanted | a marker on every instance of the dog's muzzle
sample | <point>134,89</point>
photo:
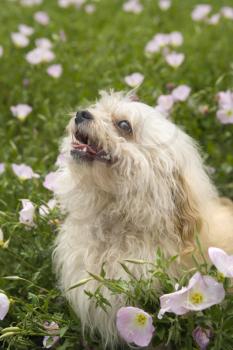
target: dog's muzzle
<point>83,146</point>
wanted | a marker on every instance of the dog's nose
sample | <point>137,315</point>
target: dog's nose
<point>82,116</point>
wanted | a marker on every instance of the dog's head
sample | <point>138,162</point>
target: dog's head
<point>129,150</point>
<point>121,136</point>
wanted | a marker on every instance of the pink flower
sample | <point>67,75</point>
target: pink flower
<point>64,3</point>
<point>24,172</point>
<point>26,214</point>
<point>152,46</point>
<point>227,12</point>
<point>55,70</point>
<point>134,79</point>
<point>200,12</point>
<point>165,102</point>
<point>61,159</point>
<point>43,43</point>
<point>135,325</point>
<point>40,55</point>
<point>21,111</point>
<point>176,39</point>
<point>133,6</point>
<point>53,329</point>
<point>225,116</point>
<point>201,293</point>
<point>45,209</point>
<point>4,306</point>
<point>25,30</point>
<point>214,19</point>
<point>181,93</point>
<point>78,3</point>
<point>2,168</point>
<point>225,99</point>
<point>162,39</point>
<point>90,8</point>
<point>1,237</point>
<point>164,5</point>
<point>42,18</point>
<point>1,51</point>
<point>174,59</point>
<point>222,261</point>
<point>19,39</point>
<point>50,181</point>
<point>202,337</point>
<point>31,2</point>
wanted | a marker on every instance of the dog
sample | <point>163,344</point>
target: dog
<point>132,182</point>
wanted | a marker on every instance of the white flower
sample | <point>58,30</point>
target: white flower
<point>166,102</point>
<point>135,325</point>
<point>227,12</point>
<point>222,261</point>
<point>176,39</point>
<point>134,79</point>
<point>42,18</point>
<point>31,2</point>
<point>90,8</point>
<point>53,329</point>
<point>1,236</point>
<point>46,208</point>
<point>50,181</point>
<point>174,59</point>
<point>21,111</point>
<point>55,70</point>
<point>181,93</point>
<point>200,12</point>
<point>201,293</point>
<point>25,30</point>
<point>225,99</point>
<point>2,168</point>
<point>4,305</point>
<point>44,43</point>
<point>40,55</point>
<point>162,39</point>
<point>64,3</point>
<point>1,51</point>
<point>19,39</point>
<point>133,6</point>
<point>214,19</point>
<point>164,5</point>
<point>26,214</point>
<point>152,46</point>
<point>24,172</point>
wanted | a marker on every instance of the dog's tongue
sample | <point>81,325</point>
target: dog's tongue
<point>84,148</point>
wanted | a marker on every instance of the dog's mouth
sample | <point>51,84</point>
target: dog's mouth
<point>84,148</point>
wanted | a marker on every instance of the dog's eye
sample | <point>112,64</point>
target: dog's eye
<point>125,126</point>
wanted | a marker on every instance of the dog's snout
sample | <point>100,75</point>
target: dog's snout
<point>82,116</point>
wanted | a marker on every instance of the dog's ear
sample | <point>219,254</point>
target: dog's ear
<point>187,215</point>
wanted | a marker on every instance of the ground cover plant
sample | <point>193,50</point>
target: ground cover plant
<point>55,55</point>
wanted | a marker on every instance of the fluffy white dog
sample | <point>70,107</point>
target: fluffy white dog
<point>133,182</point>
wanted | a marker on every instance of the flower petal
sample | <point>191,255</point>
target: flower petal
<point>4,305</point>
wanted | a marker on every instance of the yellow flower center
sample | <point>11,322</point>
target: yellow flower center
<point>196,298</point>
<point>220,277</point>
<point>141,319</point>
<point>230,113</point>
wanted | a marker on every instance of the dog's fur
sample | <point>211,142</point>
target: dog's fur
<point>155,193</point>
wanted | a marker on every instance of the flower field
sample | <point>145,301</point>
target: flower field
<point>55,55</point>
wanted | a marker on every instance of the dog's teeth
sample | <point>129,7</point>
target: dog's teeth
<point>85,149</point>
<point>106,156</point>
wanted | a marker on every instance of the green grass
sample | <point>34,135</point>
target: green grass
<point>99,51</point>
